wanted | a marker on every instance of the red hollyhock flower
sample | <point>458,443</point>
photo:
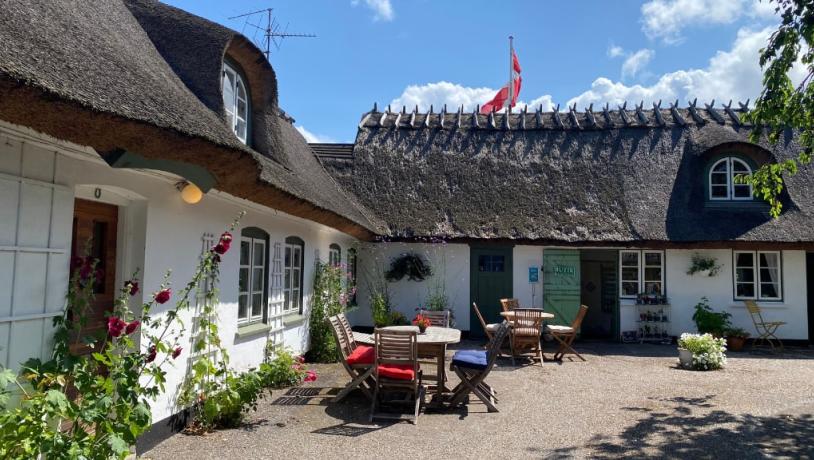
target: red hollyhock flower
<point>133,287</point>
<point>176,352</point>
<point>226,237</point>
<point>221,248</point>
<point>163,295</point>
<point>131,327</point>
<point>115,326</point>
<point>310,376</point>
<point>151,353</point>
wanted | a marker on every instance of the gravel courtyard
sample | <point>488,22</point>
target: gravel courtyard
<point>627,400</point>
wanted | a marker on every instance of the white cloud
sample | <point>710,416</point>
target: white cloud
<point>665,19</point>
<point>615,51</point>
<point>733,74</point>
<point>382,9</point>
<point>635,62</point>
<point>314,138</point>
<point>453,95</point>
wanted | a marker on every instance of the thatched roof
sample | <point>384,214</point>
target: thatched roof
<point>141,76</point>
<point>615,177</point>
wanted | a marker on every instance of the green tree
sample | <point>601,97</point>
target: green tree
<point>781,104</point>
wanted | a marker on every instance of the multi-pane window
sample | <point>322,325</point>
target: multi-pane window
<point>334,255</point>
<point>722,184</point>
<point>292,268</point>
<point>491,263</point>
<point>758,275</point>
<point>235,102</point>
<point>641,272</point>
<point>352,269</point>
<point>253,276</point>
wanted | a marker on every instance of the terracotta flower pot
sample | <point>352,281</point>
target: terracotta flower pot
<point>735,343</point>
<point>685,358</point>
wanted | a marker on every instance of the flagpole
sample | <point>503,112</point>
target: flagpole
<point>511,73</point>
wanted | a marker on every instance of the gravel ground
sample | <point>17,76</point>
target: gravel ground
<point>627,400</point>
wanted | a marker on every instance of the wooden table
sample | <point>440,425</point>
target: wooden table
<point>431,344</point>
<point>510,314</point>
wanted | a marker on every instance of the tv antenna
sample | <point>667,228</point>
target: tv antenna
<point>273,32</point>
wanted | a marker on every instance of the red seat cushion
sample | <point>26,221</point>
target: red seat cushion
<point>397,371</point>
<point>363,354</point>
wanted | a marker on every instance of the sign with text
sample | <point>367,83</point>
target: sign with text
<point>534,275</point>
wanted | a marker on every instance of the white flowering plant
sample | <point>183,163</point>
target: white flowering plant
<point>708,352</point>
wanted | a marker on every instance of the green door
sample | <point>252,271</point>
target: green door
<point>490,281</point>
<point>561,285</point>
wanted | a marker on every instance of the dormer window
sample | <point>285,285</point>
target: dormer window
<point>235,102</point>
<point>722,186</point>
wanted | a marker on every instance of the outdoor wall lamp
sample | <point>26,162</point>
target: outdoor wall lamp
<point>190,192</point>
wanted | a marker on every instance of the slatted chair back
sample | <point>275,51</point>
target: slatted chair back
<point>754,311</point>
<point>342,341</point>
<point>509,304</point>
<point>496,343</point>
<point>438,318</point>
<point>480,318</point>
<point>526,320</point>
<point>398,347</point>
<point>343,320</point>
<point>583,309</point>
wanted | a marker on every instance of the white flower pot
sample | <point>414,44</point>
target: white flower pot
<point>685,358</point>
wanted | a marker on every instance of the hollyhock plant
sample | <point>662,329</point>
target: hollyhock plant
<point>151,354</point>
<point>310,376</point>
<point>177,352</point>
<point>163,295</point>
<point>115,326</point>
<point>133,284</point>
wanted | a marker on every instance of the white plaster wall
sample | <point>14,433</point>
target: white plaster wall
<point>161,232</point>
<point>684,291</point>
<point>448,260</point>
<point>528,294</point>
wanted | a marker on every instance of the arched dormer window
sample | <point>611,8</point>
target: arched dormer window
<point>334,255</point>
<point>722,186</point>
<point>236,102</point>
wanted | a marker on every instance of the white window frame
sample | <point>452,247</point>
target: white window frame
<point>334,255</point>
<point>289,271</point>
<point>757,278</point>
<point>231,107</point>
<point>251,289</point>
<point>730,180</point>
<point>641,258</point>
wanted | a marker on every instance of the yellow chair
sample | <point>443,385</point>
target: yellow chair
<point>765,329</point>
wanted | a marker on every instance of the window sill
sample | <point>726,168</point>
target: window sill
<point>293,319</point>
<point>252,329</point>
<point>765,305</point>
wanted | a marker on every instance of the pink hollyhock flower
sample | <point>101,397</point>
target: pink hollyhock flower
<point>310,376</point>
<point>115,326</point>
<point>133,287</point>
<point>131,327</point>
<point>151,353</point>
<point>301,359</point>
<point>163,295</point>
<point>176,352</point>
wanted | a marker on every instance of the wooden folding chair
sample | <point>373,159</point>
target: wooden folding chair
<point>765,329</point>
<point>488,329</point>
<point>565,335</point>
<point>438,318</point>
<point>356,359</point>
<point>473,366</point>
<point>526,329</point>
<point>509,304</point>
<point>397,372</point>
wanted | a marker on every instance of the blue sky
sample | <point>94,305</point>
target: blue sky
<point>455,52</point>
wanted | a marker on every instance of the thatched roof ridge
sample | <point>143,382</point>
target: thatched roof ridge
<point>609,185</point>
<point>144,77</point>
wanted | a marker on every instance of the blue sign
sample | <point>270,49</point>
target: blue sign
<point>534,275</point>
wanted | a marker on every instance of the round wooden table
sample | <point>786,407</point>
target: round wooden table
<point>510,314</point>
<point>431,344</point>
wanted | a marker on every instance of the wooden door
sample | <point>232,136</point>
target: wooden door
<point>561,284</point>
<point>490,281</point>
<point>94,228</point>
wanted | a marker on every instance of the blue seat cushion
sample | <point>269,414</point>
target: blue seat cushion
<point>471,359</point>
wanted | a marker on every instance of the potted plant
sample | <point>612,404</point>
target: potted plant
<point>422,322</point>
<point>704,266</point>
<point>701,352</point>
<point>736,338</point>
<point>708,321</point>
